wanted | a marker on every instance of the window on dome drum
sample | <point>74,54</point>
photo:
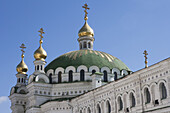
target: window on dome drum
<point>41,67</point>
<point>163,91</point>
<point>132,100</point>
<point>89,45</point>
<point>19,80</point>
<point>85,45</point>
<point>115,75</point>
<point>105,76</point>
<point>98,109</point>
<point>38,67</point>
<point>120,103</point>
<point>50,77</point>
<point>82,75</point>
<point>93,71</point>
<point>22,80</point>
<point>147,95</point>
<point>88,110</point>
<point>108,106</point>
<point>70,76</point>
<point>59,77</point>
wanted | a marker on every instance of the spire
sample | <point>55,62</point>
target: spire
<point>22,67</point>
<point>86,33</point>
<point>40,53</point>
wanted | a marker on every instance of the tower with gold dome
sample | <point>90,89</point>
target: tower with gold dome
<point>88,81</point>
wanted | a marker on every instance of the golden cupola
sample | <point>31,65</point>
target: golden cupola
<point>40,53</point>
<point>86,30</point>
<point>22,67</point>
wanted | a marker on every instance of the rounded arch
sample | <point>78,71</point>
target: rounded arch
<point>22,90</point>
<point>50,71</point>
<point>105,69</point>
<point>93,68</point>
<point>162,90</point>
<point>120,103</point>
<point>42,78</point>
<point>147,95</point>
<point>70,68</point>
<point>59,69</point>
<point>124,72</point>
<point>82,67</point>
<point>31,78</point>
<point>132,99</point>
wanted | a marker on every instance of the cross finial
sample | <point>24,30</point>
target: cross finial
<point>85,7</point>
<point>22,49</point>
<point>41,32</point>
<point>146,62</point>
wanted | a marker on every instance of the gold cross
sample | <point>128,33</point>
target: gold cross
<point>85,7</point>
<point>41,32</point>
<point>22,48</point>
<point>146,62</point>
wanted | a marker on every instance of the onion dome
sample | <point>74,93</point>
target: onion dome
<point>22,67</point>
<point>88,58</point>
<point>86,30</point>
<point>40,53</point>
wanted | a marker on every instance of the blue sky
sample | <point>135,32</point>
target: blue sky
<point>123,28</point>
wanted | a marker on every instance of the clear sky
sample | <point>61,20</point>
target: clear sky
<point>123,28</point>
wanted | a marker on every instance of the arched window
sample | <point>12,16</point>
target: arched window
<point>38,67</point>
<point>115,76</point>
<point>132,100</point>
<point>108,107</point>
<point>93,71</point>
<point>19,80</point>
<point>59,77</point>
<point>35,67</point>
<point>163,91</point>
<point>89,45</point>
<point>81,111</point>
<point>70,76</point>
<point>120,103</point>
<point>85,45</point>
<point>50,78</point>
<point>41,67</point>
<point>41,80</point>
<point>88,110</point>
<point>22,80</point>
<point>147,96</point>
<point>98,109</point>
<point>82,75</point>
<point>105,76</point>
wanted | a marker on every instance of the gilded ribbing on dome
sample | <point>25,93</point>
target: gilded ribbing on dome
<point>86,30</point>
<point>40,53</point>
<point>22,67</point>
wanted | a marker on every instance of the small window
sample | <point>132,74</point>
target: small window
<point>147,96</point>
<point>38,67</point>
<point>82,76</point>
<point>89,45</point>
<point>59,77</point>
<point>105,76</point>
<point>163,91</point>
<point>120,103</point>
<point>70,76</point>
<point>41,67</point>
<point>132,100</point>
<point>85,45</point>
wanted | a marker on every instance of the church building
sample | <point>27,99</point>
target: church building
<point>89,81</point>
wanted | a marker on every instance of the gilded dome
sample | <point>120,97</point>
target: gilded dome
<point>22,67</point>
<point>86,30</point>
<point>87,58</point>
<point>40,54</point>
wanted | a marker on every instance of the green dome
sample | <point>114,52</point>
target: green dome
<point>87,58</point>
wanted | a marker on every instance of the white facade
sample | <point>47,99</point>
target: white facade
<point>79,97</point>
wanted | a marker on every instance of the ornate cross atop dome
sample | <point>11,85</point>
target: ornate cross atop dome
<point>85,7</point>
